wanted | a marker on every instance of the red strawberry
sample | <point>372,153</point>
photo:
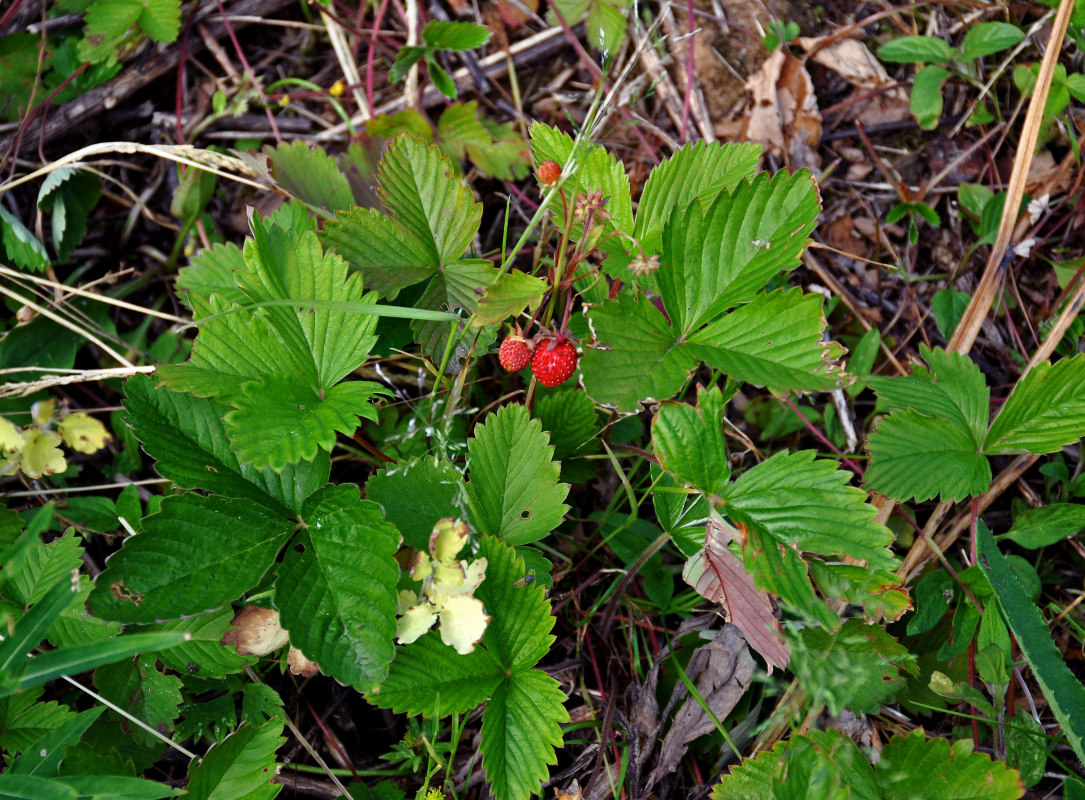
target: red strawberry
<point>514,353</point>
<point>554,361</point>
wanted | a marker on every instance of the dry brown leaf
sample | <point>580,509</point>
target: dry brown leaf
<point>719,575</point>
<point>722,671</point>
<point>783,114</point>
<point>853,61</point>
<point>256,631</point>
<point>299,664</point>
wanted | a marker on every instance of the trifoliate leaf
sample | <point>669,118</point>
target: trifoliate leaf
<point>1045,412</point>
<point>41,454</point>
<point>310,174</point>
<point>806,503</point>
<point>336,588</point>
<point>514,491</point>
<point>857,667</point>
<point>520,729</point>
<point>241,766</point>
<point>689,441</point>
<point>915,766</point>
<point>187,438</point>
<point>83,432</point>
<point>196,554</point>
<point>914,456</point>
<point>953,387</point>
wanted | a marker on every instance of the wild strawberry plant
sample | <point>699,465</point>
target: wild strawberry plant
<point>424,585</point>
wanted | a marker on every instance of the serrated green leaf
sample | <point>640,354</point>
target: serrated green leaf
<point>336,588</point>
<point>642,360</point>
<point>75,626</point>
<point>926,97</point>
<point>202,654</point>
<point>106,23</point>
<point>310,174</point>
<point>778,569</point>
<point>905,49</point>
<point>914,456</point>
<point>508,296</point>
<point>43,757</point>
<point>415,494</point>
<point>161,19</point>
<point>240,767</point>
<point>569,416</point>
<point>187,438</point>
<point>135,685</point>
<point>277,422</point>
<point>774,341</point>
<point>388,256</point>
<point>519,633</point>
<point>857,667</point>
<point>25,718</point>
<point>117,787</point>
<point>1039,527</point>
<point>696,171</point>
<point>69,194</point>
<point>596,170</point>
<point>914,766</point>
<point>430,678</point>
<point>720,256</point>
<point>211,270</point>
<point>1064,693</point>
<point>987,38</point>
<point>21,246</point>
<point>514,491</point>
<point>406,58</point>
<point>445,35</point>
<point>520,729</point>
<point>29,629</point>
<point>197,553</point>
<point>42,565</point>
<point>689,441</point>
<point>953,387</point>
<point>440,79</point>
<point>806,503</point>
<point>1045,412</point>
<point>459,127</point>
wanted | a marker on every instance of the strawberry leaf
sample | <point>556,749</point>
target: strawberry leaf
<point>805,503</point>
<point>1045,412</point>
<point>242,765</point>
<point>196,554</point>
<point>336,588</point>
<point>187,438</point>
<point>310,175</point>
<point>689,442</point>
<point>514,491</point>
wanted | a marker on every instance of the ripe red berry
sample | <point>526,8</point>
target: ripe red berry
<point>554,361</point>
<point>549,172</point>
<point>514,353</point>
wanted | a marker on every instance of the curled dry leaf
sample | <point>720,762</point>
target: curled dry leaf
<point>783,113</point>
<point>878,98</point>
<point>256,631</point>
<point>719,575</point>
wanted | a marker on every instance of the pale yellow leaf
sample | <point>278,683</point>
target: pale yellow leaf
<point>463,622</point>
<point>41,455</point>
<point>83,432</point>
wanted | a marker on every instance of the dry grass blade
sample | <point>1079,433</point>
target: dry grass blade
<point>968,329</point>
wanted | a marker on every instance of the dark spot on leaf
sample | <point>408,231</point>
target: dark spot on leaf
<point>526,514</point>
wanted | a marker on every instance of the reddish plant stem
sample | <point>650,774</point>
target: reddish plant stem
<point>853,466</point>
<point>248,69</point>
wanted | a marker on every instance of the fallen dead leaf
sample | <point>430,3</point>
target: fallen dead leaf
<point>719,575</point>
<point>853,61</point>
<point>783,113</point>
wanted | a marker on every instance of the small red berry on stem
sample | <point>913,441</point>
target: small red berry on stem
<point>554,361</point>
<point>514,353</point>
<point>549,172</point>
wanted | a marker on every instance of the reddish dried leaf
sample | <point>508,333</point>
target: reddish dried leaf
<point>719,575</point>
